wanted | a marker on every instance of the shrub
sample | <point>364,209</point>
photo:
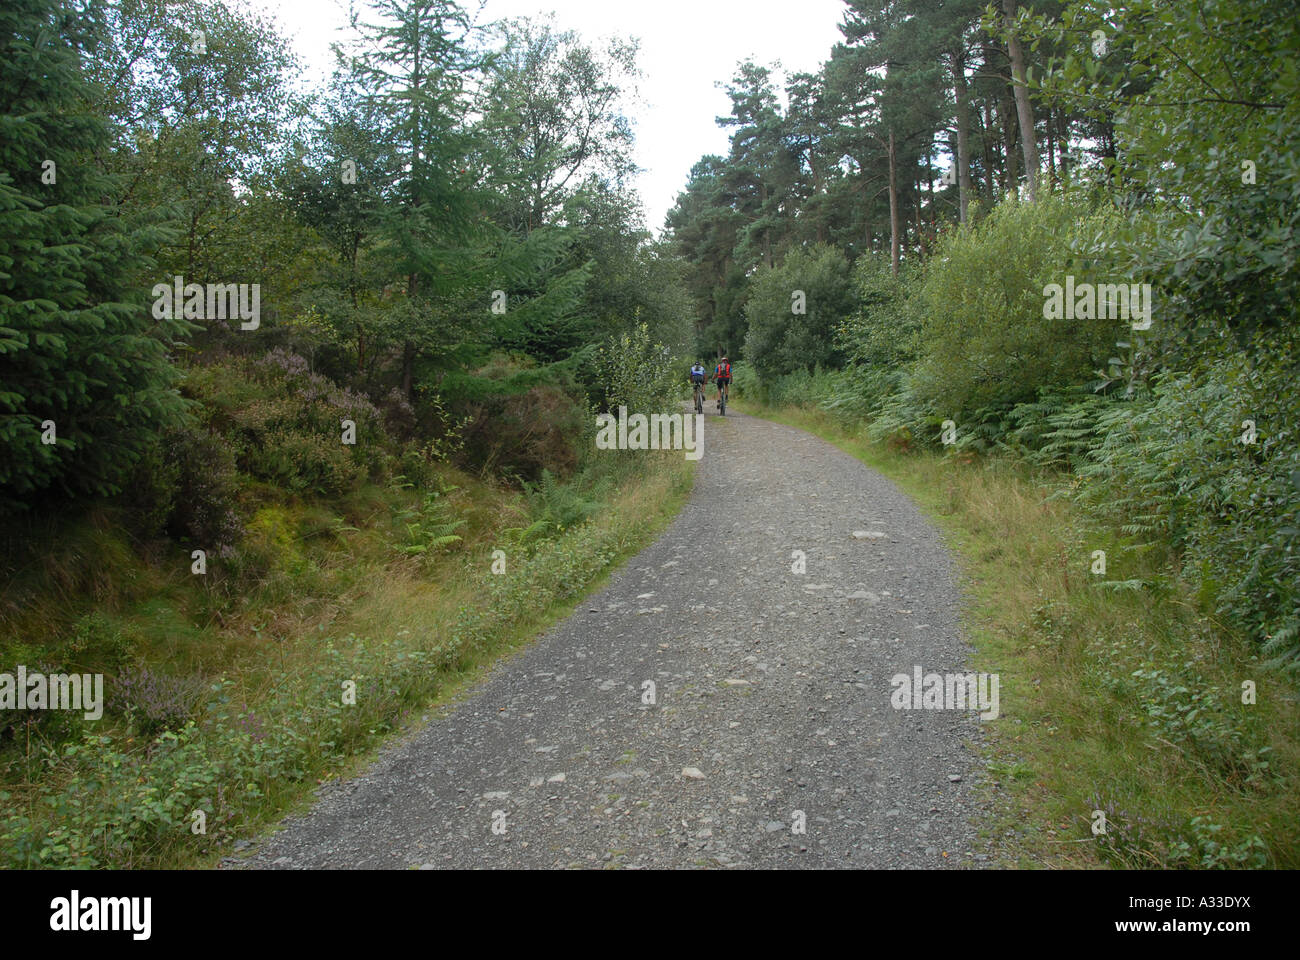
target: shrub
<point>285,423</point>
<point>984,340</point>
<point>885,328</point>
<point>524,434</point>
<point>153,702</point>
<point>202,469</point>
<point>639,373</point>
<point>1176,468</point>
<point>781,340</point>
<point>96,643</point>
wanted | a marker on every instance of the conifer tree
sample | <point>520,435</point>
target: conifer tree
<point>84,375</point>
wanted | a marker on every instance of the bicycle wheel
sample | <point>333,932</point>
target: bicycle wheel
<point>722,403</point>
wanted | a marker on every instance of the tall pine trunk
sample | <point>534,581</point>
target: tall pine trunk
<point>893,206</point>
<point>963,132</point>
<point>986,139</point>
<point>1010,167</point>
<point>1024,109</point>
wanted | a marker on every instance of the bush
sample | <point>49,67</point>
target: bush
<point>1175,468</point>
<point>284,424</point>
<point>780,340</point>
<point>639,373</point>
<point>202,469</point>
<point>525,434</point>
<point>885,329</point>
<point>984,340</point>
<point>153,702</point>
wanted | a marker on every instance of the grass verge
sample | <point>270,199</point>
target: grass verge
<point>350,636</point>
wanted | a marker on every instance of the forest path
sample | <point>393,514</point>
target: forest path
<point>772,697</point>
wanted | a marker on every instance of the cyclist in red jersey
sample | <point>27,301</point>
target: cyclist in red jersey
<point>722,377</point>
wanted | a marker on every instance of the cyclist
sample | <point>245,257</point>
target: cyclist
<point>722,377</point>
<point>699,377</point>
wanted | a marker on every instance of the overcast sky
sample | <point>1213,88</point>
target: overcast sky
<point>687,46</point>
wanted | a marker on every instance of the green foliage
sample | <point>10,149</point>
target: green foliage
<point>1185,711</point>
<point>285,424</point>
<point>794,309</point>
<point>1176,468</point>
<point>1205,850</point>
<point>519,418</point>
<point>96,643</point>
<point>555,506</point>
<point>1204,100</point>
<point>747,384</point>
<point>429,526</point>
<point>1062,427</point>
<point>885,329</point>
<point>984,340</point>
<point>78,347</point>
<point>197,482</point>
<point>639,373</point>
<point>553,118</point>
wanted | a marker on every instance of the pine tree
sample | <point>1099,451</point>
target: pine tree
<point>82,361</point>
<point>413,67</point>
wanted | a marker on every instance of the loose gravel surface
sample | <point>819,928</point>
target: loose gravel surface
<point>771,703</point>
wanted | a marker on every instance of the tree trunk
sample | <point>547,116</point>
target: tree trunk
<point>986,138</point>
<point>893,206</point>
<point>963,126</point>
<point>1010,168</point>
<point>1051,149</point>
<point>866,214</point>
<point>1024,109</point>
<point>929,184</point>
<point>920,224</point>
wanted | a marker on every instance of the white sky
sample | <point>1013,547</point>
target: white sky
<point>686,47</point>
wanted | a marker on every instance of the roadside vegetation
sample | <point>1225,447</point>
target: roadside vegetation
<point>287,510</point>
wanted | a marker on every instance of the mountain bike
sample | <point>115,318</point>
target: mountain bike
<point>699,397</point>
<point>722,398</point>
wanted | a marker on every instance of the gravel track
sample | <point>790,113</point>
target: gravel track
<point>772,697</point>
